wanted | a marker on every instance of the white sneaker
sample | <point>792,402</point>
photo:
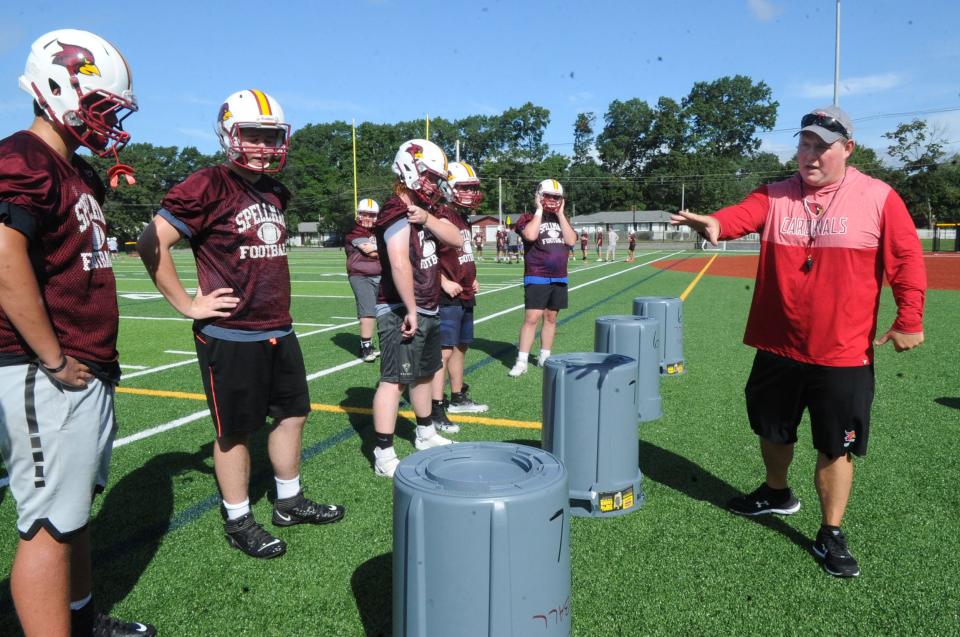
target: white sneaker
<point>385,461</point>
<point>519,368</point>
<point>430,441</point>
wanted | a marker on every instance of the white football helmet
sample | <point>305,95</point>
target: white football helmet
<point>422,167</point>
<point>83,84</point>
<point>367,211</point>
<point>464,185</point>
<point>550,195</point>
<point>253,110</point>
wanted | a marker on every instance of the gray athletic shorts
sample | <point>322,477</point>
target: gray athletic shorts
<point>56,444</point>
<point>402,360</point>
<point>365,289</point>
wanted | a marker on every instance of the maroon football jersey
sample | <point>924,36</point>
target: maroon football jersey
<point>457,263</point>
<point>547,256</point>
<point>359,264</point>
<point>238,233</point>
<point>423,259</point>
<point>69,248</point>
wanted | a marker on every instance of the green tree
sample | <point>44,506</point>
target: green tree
<point>919,150</point>
<point>723,116</point>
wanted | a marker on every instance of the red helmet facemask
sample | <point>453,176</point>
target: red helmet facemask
<point>431,189</point>
<point>98,123</point>
<point>366,219</point>
<point>551,203</point>
<point>467,195</point>
<point>273,158</point>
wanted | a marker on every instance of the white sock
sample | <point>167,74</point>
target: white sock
<point>426,431</point>
<point>522,357</point>
<point>287,488</point>
<point>80,603</point>
<point>544,354</point>
<point>238,510</point>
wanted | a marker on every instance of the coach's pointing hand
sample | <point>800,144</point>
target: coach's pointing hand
<point>901,342</point>
<point>705,225</point>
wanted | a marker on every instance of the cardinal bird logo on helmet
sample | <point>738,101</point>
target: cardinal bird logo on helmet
<point>415,150</point>
<point>76,59</point>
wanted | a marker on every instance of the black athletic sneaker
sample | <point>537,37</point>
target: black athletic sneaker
<point>106,626</point>
<point>251,538</point>
<point>764,500</point>
<point>368,354</point>
<point>461,403</point>
<point>831,547</point>
<point>299,510</point>
<point>438,416</point>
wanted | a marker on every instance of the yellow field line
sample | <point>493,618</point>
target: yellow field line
<point>339,409</point>
<point>686,293</point>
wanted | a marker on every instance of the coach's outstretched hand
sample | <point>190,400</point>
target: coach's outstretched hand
<point>705,225</point>
<point>901,342</point>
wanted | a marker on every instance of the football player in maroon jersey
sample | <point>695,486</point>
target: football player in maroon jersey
<point>407,232</point>
<point>458,282</point>
<point>547,237</point>
<point>58,326</point>
<point>250,360</point>
<point>363,272</point>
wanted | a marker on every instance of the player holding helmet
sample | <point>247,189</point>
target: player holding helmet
<point>408,301</point>
<point>547,237</point>
<point>58,325</point>
<point>363,271</point>
<point>458,281</point>
<point>250,360</point>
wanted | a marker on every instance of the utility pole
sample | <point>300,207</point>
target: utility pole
<point>836,62</point>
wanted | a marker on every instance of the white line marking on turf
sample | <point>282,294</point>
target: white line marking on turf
<point>173,424</point>
<point>161,368</point>
<point>343,318</point>
<point>125,366</point>
<point>179,351</point>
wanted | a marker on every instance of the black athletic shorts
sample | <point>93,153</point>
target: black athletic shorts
<point>545,296</point>
<point>837,398</point>
<point>247,382</point>
<point>406,360</point>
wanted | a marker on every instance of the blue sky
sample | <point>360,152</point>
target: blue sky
<point>389,60</point>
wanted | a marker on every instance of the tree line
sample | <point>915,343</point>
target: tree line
<point>703,148</point>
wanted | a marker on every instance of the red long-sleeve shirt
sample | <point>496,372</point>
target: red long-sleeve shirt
<point>855,232</point>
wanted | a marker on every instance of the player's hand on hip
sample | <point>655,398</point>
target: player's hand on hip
<point>708,227</point>
<point>74,374</point>
<point>901,342</point>
<point>409,326</point>
<point>216,304</point>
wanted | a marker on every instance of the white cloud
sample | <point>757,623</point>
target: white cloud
<point>764,10</point>
<point>852,86</point>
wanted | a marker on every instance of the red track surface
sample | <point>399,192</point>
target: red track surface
<point>943,270</point>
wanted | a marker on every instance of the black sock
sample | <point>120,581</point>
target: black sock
<point>81,620</point>
<point>833,530</point>
<point>436,410</point>
<point>424,422</point>
<point>366,343</point>
<point>383,441</point>
<point>779,492</point>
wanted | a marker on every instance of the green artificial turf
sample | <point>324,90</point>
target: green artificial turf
<point>681,564</point>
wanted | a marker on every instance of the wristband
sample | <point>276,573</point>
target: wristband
<point>538,213</point>
<point>59,368</point>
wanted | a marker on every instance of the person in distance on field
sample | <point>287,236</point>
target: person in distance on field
<point>363,272</point>
<point>547,236</point>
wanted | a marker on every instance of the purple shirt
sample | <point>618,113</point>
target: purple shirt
<point>547,256</point>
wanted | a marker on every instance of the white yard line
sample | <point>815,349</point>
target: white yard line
<point>173,424</point>
<point>161,368</point>
<point>125,366</point>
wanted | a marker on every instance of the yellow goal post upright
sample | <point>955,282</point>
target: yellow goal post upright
<point>941,235</point>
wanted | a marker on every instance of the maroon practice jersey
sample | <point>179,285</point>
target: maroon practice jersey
<point>423,259</point>
<point>238,233</point>
<point>457,263</point>
<point>547,256</point>
<point>67,235</point>
<point>358,263</point>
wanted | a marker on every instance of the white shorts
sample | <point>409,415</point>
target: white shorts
<point>56,443</point>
